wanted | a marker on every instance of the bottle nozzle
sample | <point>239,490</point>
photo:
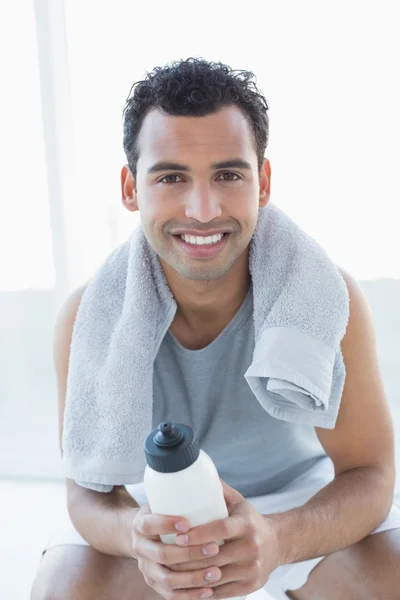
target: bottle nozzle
<point>167,434</point>
<point>165,427</point>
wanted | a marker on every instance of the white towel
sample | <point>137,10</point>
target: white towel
<point>301,309</point>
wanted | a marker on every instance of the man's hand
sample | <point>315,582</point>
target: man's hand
<point>155,559</point>
<point>250,552</point>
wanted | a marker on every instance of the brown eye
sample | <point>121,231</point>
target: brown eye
<point>230,173</point>
<point>166,177</point>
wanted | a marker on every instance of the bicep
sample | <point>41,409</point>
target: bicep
<point>363,435</point>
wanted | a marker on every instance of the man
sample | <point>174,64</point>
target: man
<point>195,135</point>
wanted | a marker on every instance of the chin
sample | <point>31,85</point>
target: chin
<point>202,273</point>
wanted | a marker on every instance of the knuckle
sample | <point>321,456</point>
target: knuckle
<point>209,562</point>
<point>206,562</point>
<point>161,556</point>
<point>254,543</point>
<point>136,524</point>
<point>253,570</point>
<point>199,580</point>
<point>144,526</point>
<point>138,521</point>
<point>140,565</point>
<point>195,553</point>
<point>250,526</point>
<point>224,529</point>
<point>198,564</point>
<point>135,547</point>
<point>168,581</point>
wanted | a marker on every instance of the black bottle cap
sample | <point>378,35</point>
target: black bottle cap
<point>171,447</point>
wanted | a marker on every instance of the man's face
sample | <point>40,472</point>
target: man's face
<point>213,205</point>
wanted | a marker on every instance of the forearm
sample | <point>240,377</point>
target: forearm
<point>104,520</point>
<point>341,514</point>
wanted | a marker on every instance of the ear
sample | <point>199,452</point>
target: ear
<point>265,183</point>
<point>128,190</point>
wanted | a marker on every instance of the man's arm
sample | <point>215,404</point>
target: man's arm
<point>362,450</point>
<point>103,519</point>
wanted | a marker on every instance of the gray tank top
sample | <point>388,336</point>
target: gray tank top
<point>206,389</point>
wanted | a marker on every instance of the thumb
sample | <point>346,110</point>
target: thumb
<point>231,495</point>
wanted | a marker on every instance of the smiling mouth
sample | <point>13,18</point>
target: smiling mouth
<point>197,240</point>
<point>202,247</point>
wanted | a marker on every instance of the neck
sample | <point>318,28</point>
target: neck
<point>206,307</point>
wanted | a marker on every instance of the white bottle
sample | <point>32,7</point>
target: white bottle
<point>180,479</point>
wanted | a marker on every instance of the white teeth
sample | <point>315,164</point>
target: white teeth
<point>211,239</point>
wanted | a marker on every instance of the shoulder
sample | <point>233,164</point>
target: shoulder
<point>70,305</point>
<point>356,292</point>
<point>64,323</point>
<point>61,346</point>
<point>360,325</point>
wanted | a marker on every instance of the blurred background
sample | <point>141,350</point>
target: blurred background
<point>328,71</point>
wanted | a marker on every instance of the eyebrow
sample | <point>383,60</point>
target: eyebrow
<point>236,163</point>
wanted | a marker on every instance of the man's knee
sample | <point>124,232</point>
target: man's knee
<point>368,569</point>
<point>71,572</point>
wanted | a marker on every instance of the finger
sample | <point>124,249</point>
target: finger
<point>232,590</point>
<point>223,529</point>
<point>149,524</point>
<point>172,581</point>
<point>169,554</point>
<point>240,573</point>
<point>182,594</point>
<point>192,594</point>
<point>231,552</point>
<point>144,510</point>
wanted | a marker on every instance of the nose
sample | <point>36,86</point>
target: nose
<point>203,206</point>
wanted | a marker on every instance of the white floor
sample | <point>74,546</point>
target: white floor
<point>29,512</point>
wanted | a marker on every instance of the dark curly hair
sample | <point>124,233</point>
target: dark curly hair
<point>194,87</point>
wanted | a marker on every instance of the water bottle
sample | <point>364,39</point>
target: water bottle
<point>180,479</point>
